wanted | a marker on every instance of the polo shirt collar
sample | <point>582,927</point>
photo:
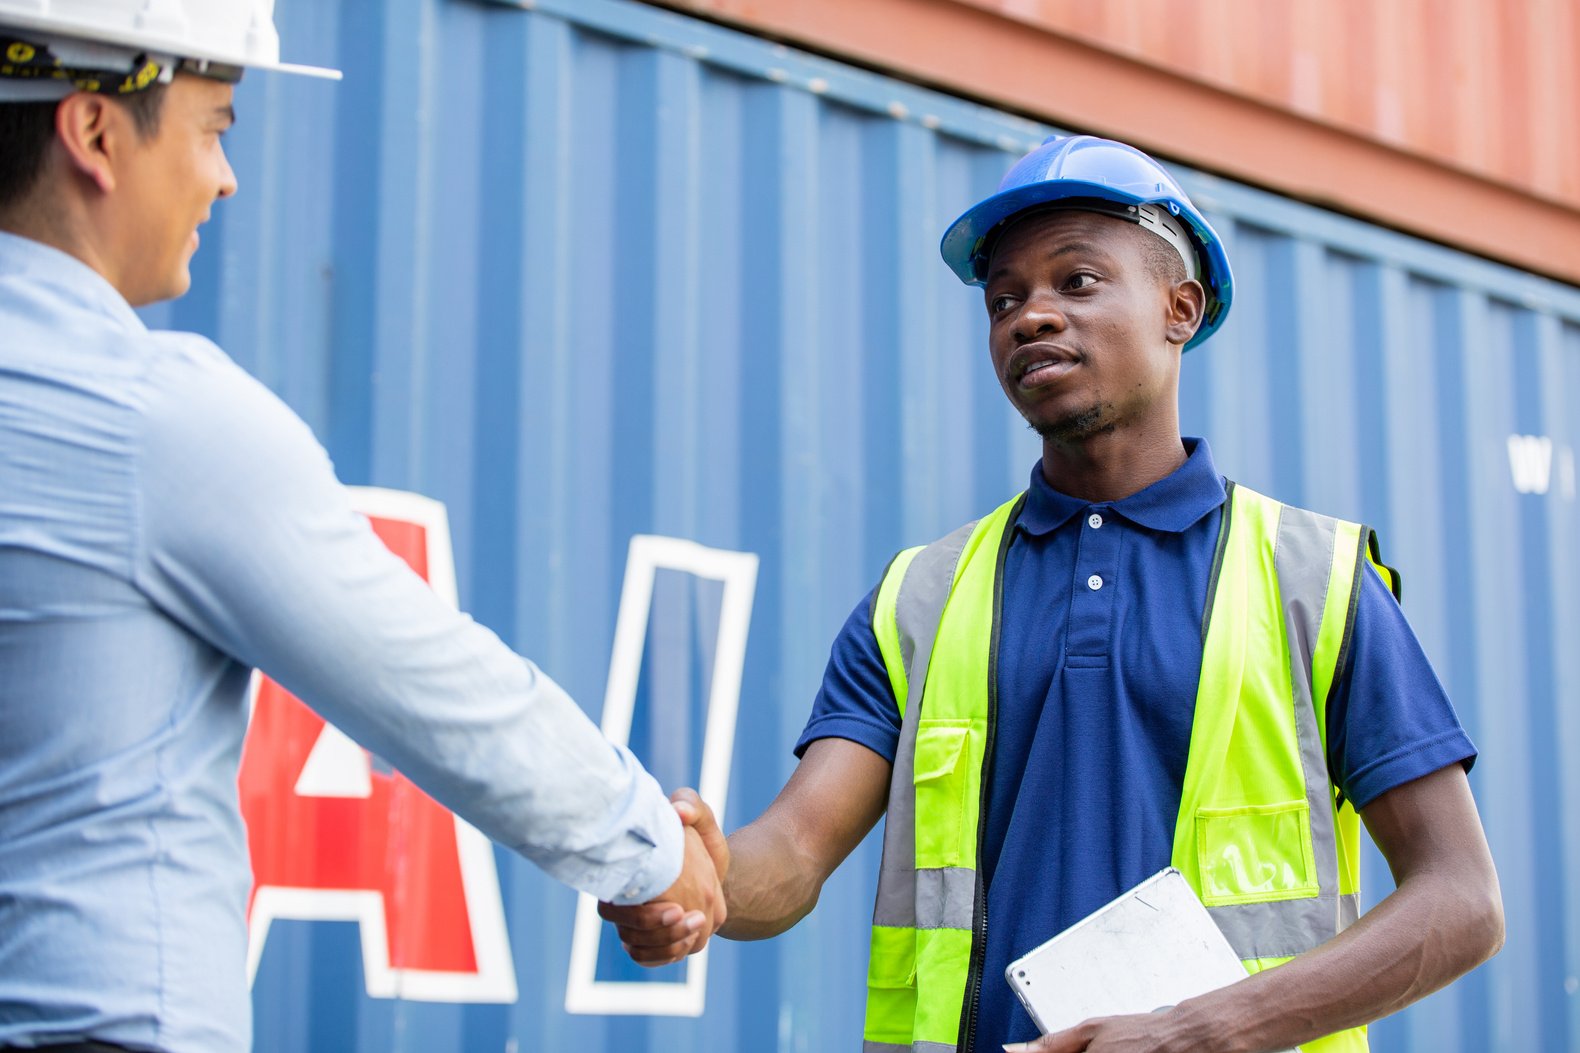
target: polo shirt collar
<point>1172,504</point>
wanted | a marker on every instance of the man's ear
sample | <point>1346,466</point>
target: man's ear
<point>93,131</point>
<point>1187,302</point>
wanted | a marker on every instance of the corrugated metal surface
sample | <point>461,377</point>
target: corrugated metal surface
<point>1470,84</point>
<point>591,270</point>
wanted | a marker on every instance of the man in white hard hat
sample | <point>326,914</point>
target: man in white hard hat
<point>166,525</point>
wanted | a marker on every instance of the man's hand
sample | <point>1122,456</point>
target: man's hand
<point>695,813</point>
<point>681,920</point>
<point>1145,1033</point>
<point>777,864</point>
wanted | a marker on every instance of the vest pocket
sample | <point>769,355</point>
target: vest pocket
<point>1255,853</point>
<point>891,986</point>
<point>942,779</point>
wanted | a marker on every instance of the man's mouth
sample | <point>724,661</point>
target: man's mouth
<point>1036,365</point>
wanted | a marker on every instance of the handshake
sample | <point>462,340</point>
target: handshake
<point>682,919</point>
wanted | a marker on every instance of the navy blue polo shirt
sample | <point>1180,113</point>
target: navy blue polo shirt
<point>1099,656</point>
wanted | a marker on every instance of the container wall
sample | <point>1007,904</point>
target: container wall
<point>591,271</point>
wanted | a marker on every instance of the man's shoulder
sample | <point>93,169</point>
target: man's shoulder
<point>185,354</point>
<point>188,374</point>
<point>959,535</point>
<point>1292,519</point>
<point>936,562</point>
<point>1241,491</point>
<point>50,328</point>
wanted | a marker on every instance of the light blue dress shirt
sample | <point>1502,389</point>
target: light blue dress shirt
<point>166,525</point>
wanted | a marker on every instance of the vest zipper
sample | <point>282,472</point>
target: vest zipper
<point>966,1042</point>
<point>968,1021</point>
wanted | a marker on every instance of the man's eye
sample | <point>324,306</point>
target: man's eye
<point>1000,304</point>
<point>1080,280</point>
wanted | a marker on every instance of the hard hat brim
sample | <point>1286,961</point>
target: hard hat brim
<point>966,237</point>
<point>296,69</point>
<point>157,44</point>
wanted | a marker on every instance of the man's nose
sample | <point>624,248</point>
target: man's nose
<point>227,176</point>
<point>1041,314</point>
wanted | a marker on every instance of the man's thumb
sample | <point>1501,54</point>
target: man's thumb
<point>695,813</point>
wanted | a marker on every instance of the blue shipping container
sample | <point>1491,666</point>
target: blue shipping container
<point>585,270</point>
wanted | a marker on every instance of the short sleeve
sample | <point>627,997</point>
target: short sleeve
<point>1389,719</point>
<point>855,701</point>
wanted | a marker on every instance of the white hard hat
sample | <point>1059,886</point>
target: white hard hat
<point>206,36</point>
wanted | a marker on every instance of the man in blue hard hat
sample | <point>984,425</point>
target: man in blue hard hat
<point>1132,665</point>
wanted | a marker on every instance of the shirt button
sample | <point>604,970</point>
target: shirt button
<point>1094,520</point>
<point>1094,583</point>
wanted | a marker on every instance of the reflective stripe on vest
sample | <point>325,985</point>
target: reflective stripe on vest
<point>1261,835</point>
<point>921,935</point>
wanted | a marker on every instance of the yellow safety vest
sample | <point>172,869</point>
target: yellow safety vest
<point>1261,834</point>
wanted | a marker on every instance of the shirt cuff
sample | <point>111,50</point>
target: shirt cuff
<point>647,876</point>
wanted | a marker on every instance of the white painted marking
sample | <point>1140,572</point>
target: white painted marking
<point>495,979</point>
<point>1531,463</point>
<point>584,992</point>
<point>337,767</point>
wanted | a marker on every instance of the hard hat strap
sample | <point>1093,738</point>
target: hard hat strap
<point>1154,219</point>
<point>1158,220</point>
<point>40,71</point>
<point>220,71</point>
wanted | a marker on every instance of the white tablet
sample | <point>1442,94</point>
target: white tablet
<point>1150,949</point>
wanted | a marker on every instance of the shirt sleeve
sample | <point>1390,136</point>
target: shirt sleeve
<point>855,701</point>
<point>249,540</point>
<point>1389,719</point>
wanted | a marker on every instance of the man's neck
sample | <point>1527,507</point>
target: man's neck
<point>61,227</point>
<point>1113,465</point>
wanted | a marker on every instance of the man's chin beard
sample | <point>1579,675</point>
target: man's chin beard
<point>1076,427</point>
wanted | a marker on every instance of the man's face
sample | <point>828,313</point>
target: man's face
<point>1081,323</point>
<point>168,184</point>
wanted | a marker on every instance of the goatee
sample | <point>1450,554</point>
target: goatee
<point>1075,427</point>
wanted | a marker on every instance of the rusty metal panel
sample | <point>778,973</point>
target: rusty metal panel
<point>1471,84</point>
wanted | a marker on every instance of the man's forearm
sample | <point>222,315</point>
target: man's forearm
<point>772,883</point>
<point>779,862</point>
<point>1430,931</point>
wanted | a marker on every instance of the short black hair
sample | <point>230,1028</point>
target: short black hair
<point>27,129</point>
<point>1163,263</point>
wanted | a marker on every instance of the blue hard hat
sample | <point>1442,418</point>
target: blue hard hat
<point>1097,170</point>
